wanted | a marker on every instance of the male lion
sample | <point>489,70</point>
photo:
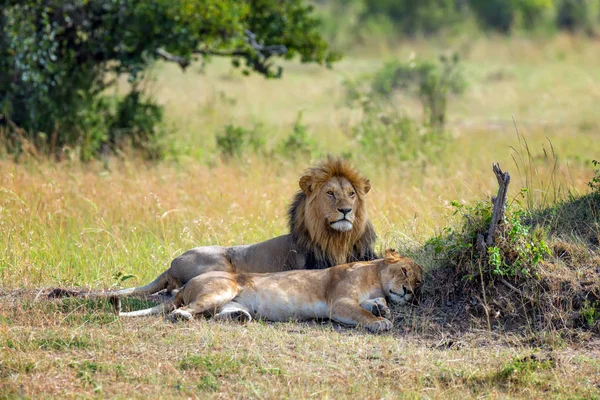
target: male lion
<point>351,293</point>
<point>328,225</point>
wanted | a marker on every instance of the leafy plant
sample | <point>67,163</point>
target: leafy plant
<point>298,143</point>
<point>517,252</point>
<point>431,82</point>
<point>392,137</point>
<point>385,132</point>
<point>595,182</point>
<point>501,15</point>
<point>236,139</point>
<point>523,369</point>
<point>415,16</point>
<point>591,312</point>
<point>140,121</point>
<point>576,15</point>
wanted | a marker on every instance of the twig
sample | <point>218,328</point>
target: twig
<point>182,61</point>
<point>514,289</point>
<point>499,203</point>
<point>486,307</point>
<point>511,287</point>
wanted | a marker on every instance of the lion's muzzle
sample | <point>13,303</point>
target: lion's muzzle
<point>342,225</point>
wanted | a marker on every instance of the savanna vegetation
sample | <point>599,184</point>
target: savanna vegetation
<point>113,161</point>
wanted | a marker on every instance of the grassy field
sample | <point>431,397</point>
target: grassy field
<point>70,224</point>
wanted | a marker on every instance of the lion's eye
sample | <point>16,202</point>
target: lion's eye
<point>351,194</point>
<point>330,193</point>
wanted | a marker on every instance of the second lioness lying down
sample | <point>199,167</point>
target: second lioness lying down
<point>353,294</point>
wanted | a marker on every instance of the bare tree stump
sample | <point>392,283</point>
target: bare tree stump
<point>499,202</point>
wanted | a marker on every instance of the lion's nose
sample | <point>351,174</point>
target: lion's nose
<point>345,211</point>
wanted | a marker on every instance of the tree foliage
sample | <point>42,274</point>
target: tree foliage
<point>416,16</point>
<point>58,56</point>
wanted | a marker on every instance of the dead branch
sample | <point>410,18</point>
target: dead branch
<point>499,202</point>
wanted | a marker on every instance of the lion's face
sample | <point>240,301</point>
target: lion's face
<point>401,277</point>
<point>329,216</point>
<point>336,200</point>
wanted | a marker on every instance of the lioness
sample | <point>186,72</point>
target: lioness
<point>328,223</point>
<point>352,294</point>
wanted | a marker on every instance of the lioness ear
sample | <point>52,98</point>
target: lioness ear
<point>367,186</point>
<point>390,255</point>
<point>306,184</point>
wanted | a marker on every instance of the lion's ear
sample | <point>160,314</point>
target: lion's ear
<point>367,186</point>
<point>306,184</point>
<point>391,255</point>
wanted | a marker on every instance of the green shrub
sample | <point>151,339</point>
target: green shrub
<point>236,140</point>
<point>431,82</point>
<point>298,143</point>
<point>577,15</point>
<point>138,120</point>
<point>517,251</point>
<point>390,137</point>
<point>590,312</point>
<point>416,16</point>
<point>387,134</point>
<point>595,182</point>
<point>501,15</point>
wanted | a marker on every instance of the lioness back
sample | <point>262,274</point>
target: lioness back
<point>286,295</point>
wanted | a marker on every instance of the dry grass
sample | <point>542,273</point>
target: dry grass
<point>70,224</point>
<point>76,350</point>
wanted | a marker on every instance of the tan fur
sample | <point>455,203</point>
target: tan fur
<point>350,293</point>
<point>315,207</point>
<point>320,234</point>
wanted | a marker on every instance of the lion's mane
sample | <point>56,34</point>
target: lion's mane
<point>323,246</point>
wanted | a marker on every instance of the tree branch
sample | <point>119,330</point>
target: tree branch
<point>256,56</point>
<point>263,52</point>
<point>182,61</point>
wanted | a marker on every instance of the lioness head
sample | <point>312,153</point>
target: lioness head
<point>400,277</point>
<point>334,193</point>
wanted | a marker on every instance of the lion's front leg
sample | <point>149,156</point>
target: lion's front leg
<point>378,307</point>
<point>347,311</point>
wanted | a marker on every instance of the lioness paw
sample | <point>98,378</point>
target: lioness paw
<point>381,325</point>
<point>234,315</point>
<point>180,315</point>
<point>380,309</point>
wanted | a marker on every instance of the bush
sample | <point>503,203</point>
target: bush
<point>431,82</point>
<point>501,15</point>
<point>57,57</point>
<point>416,16</point>
<point>595,182</point>
<point>298,143</point>
<point>387,134</point>
<point>140,121</point>
<point>391,138</point>
<point>575,15</point>
<point>518,248</point>
<point>235,140</point>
